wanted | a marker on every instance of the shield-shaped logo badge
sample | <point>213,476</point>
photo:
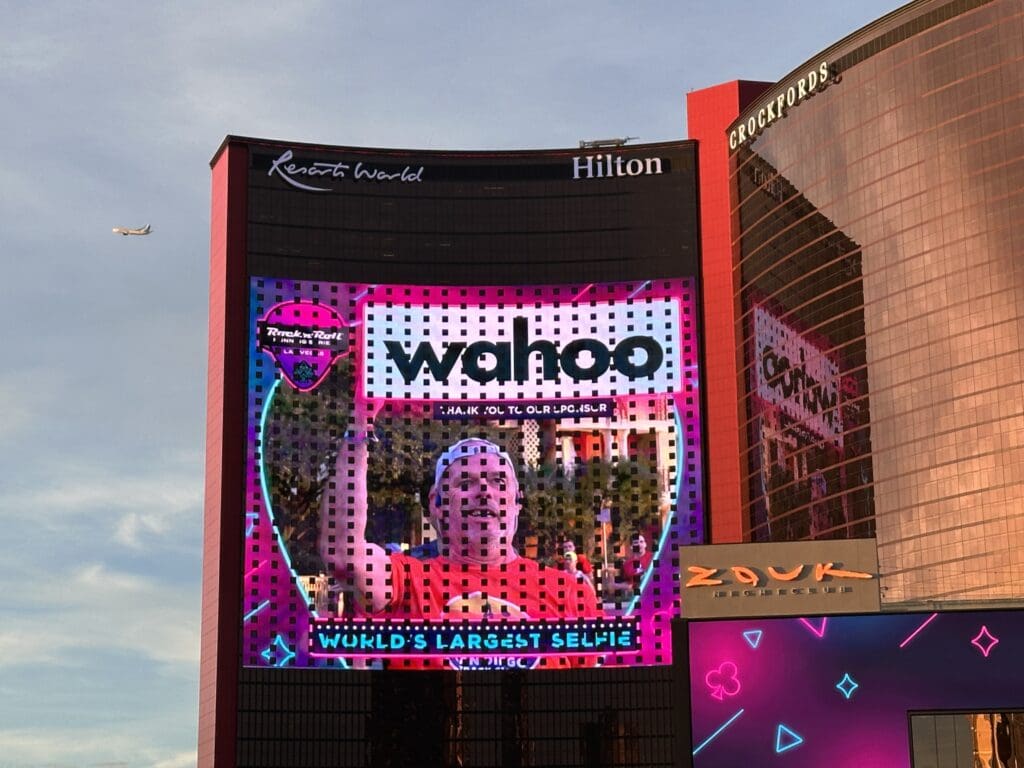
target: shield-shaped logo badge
<point>304,338</point>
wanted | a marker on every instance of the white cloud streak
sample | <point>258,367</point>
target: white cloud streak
<point>107,610</point>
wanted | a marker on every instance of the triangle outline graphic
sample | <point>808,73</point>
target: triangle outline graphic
<point>794,739</point>
<point>753,637</point>
<point>819,631</point>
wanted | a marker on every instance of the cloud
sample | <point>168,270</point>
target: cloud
<point>139,512</point>
<point>77,748</point>
<point>179,760</point>
<point>109,610</point>
<point>33,402</point>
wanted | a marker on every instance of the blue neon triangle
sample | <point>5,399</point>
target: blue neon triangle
<point>793,739</point>
<point>753,637</point>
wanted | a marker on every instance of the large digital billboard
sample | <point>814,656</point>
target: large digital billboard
<point>468,477</point>
<point>841,691</point>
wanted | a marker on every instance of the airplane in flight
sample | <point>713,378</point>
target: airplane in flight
<point>128,231</point>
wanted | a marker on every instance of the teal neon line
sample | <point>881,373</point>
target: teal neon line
<point>718,730</point>
<point>265,490</point>
<point>665,530</point>
<point>255,610</point>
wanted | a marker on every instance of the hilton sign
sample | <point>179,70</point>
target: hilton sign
<point>781,579</point>
<point>609,166</point>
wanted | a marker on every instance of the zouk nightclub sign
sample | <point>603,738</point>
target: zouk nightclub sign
<point>780,579</point>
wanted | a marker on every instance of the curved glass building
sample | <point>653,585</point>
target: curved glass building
<point>880,298</point>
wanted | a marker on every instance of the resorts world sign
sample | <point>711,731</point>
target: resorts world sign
<point>812,82</point>
<point>780,579</point>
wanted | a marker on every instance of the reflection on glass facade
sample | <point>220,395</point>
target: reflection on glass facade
<point>967,740</point>
<point>808,434</point>
<point>880,250</point>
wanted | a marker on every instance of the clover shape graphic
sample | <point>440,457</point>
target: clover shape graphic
<point>723,681</point>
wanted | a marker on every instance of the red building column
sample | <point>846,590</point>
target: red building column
<point>225,462</point>
<point>709,112</point>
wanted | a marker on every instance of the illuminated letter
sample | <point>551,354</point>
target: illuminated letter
<point>785,575</point>
<point>597,350</point>
<point>745,575</point>
<point>471,361</point>
<point>654,163</point>
<point>821,570</point>
<point>410,367</point>
<point>522,351</point>
<point>577,166</point>
<point>702,577</point>
<point>823,71</point>
<point>624,350</point>
<point>760,118</point>
<point>732,141</point>
<point>635,170</point>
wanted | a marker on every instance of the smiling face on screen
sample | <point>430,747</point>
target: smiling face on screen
<point>474,503</point>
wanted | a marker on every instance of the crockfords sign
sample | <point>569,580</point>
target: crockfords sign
<point>811,83</point>
<point>609,166</point>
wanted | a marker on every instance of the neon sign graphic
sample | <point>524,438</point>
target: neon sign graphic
<point>278,654</point>
<point>819,630</point>
<point>753,637</point>
<point>847,686</point>
<point>987,644</point>
<point>786,739</point>
<point>723,681</point>
<point>917,631</point>
<point>717,732</point>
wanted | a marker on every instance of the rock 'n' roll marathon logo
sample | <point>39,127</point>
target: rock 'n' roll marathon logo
<point>304,339</point>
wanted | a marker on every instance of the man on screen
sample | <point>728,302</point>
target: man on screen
<point>474,506</point>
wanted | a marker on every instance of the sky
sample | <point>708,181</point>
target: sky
<point>112,112</point>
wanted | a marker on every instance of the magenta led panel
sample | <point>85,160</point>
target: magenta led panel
<point>468,477</point>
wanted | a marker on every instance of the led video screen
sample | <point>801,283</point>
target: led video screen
<point>468,477</point>
<point>841,690</point>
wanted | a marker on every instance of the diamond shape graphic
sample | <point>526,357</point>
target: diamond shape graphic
<point>847,686</point>
<point>753,637</point>
<point>786,739</point>
<point>984,641</point>
<point>277,654</point>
